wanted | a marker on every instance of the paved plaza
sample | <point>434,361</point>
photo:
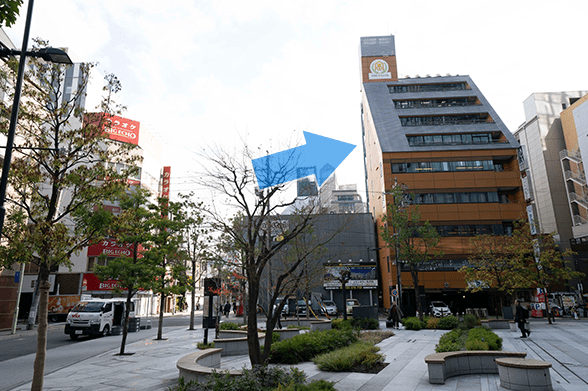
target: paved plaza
<point>153,364</point>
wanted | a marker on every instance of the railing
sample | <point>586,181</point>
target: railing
<point>579,220</point>
<point>579,198</point>
<point>579,176</point>
<point>576,155</point>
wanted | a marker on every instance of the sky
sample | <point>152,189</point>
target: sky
<point>212,73</point>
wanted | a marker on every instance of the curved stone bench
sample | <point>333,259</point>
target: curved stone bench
<point>198,366</point>
<point>523,374</point>
<point>313,324</point>
<point>235,346</point>
<point>448,364</point>
<point>496,324</point>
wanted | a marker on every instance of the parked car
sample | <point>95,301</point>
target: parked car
<point>290,308</point>
<point>330,307</point>
<point>350,303</point>
<point>439,309</point>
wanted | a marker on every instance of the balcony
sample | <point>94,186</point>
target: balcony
<point>572,155</point>
<point>578,177</point>
<point>580,199</point>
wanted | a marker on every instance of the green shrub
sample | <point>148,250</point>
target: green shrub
<point>476,344</point>
<point>315,385</point>
<point>412,323</point>
<point>228,326</point>
<point>486,335</point>
<point>478,338</point>
<point>470,321</point>
<point>452,341</point>
<point>448,323</point>
<point>304,347</point>
<point>202,345</point>
<point>341,324</point>
<point>365,323</point>
<point>262,378</point>
<point>359,354</point>
<point>432,323</point>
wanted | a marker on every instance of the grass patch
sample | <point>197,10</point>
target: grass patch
<point>202,345</point>
<point>358,357</point>
<point>304,347</point>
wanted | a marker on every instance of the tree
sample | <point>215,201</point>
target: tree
<point>540,263</point>
<point>231,177</point>
<point>412,239</point>
<point>196,239</point>
<point>167,252</point>
<point>59,177</point>
<point>492,266</point>
<point>133,273</point>
<point>9,11</point>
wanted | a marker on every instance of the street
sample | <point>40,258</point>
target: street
<point>17,353</point>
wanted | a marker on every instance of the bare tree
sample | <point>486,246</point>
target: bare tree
<point>231,177</point>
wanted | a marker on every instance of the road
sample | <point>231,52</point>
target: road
<point>17,354</point>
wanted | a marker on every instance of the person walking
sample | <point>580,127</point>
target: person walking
<point>227,309</point>
<point>395,316</point>
<point>521,318</point>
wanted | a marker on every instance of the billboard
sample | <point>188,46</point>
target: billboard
<point>110,248</point>
<point>119,129</point>
<point>362,277</point>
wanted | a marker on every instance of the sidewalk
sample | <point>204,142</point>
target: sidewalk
<point>152,366</point>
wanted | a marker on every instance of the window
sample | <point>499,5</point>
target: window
<point>455,198</point>
<point>428,87</point>
<point>472,165</point>
<point>458,119</point>
<point>454,139</point>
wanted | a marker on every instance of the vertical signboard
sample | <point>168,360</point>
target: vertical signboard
<point>165,181</point>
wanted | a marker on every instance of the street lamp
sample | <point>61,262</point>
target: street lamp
<point>57,56</point>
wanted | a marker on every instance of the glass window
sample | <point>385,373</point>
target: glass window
<point>492,196</point>
<point>482,197</point>
<point>466,138</point>
<point>464,198</point>
<point>447,139</point>
<point>449,199</point>
<point>439,198</point>
<point>438,139</point>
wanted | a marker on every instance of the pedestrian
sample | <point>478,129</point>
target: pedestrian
<point>227,309</point>
<point>395,315</point>
<point>521,318</point>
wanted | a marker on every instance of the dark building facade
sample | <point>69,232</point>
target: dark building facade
<point>350,246</point>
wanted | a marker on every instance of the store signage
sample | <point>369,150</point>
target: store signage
<point>92,283</point>
<point>165,182</point>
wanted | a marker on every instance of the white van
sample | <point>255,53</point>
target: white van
<point>96,317</point>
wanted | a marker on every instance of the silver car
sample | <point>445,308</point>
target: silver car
<point>330,307</point>
<point>439,309</point>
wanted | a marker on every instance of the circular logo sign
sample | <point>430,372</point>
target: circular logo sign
<point>379,67</point>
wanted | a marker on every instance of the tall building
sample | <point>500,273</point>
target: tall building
<point>553,145</point>
<point>441,138</point>
<point>542,140</point>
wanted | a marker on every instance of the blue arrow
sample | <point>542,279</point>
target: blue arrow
<point>319,156</point>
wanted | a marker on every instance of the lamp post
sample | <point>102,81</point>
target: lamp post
<point>57,56</point>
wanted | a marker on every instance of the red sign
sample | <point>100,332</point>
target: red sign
<point>123,129</point>
<point>118,128</point>
<point>92,283</point>
<point>110,248</point>
<point>165,181</point>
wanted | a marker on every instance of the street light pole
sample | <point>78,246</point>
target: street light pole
<point>48,54</point>
<point>14,115</point>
